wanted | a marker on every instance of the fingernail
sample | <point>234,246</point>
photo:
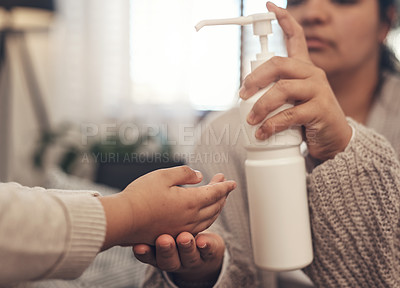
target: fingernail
<point>234,184</point>
<point>260,134</point>
<point>271,3</point>
<point>251,117</point>
<point>187,244</point>
<point>140,251</point>
<point>203,246</point>
<point>242,92</point>
<point>198,174</point>
<point>166,245</point>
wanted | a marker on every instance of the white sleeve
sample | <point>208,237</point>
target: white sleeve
<point>48,233</point>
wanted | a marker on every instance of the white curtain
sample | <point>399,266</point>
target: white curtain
<point>91,60</point>
<point>171,64</point>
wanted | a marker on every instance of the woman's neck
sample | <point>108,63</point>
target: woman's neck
<point>355,90</point>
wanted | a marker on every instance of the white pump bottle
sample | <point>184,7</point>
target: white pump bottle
<point>275,174</point>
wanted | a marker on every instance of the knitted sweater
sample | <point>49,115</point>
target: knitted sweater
<point>354,202</point>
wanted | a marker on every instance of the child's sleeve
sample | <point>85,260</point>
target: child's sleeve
<point>48,233</point>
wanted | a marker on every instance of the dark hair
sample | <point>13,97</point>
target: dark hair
<point>388,59</point>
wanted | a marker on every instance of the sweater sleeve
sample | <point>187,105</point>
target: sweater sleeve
<point>47,233</point>
<point>354,208</point>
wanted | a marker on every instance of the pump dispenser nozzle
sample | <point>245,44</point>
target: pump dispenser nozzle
<point>261,22</point>
<point>261,27</point>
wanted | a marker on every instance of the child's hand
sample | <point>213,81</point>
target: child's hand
<point>153,205</point>
<point>297,80</point>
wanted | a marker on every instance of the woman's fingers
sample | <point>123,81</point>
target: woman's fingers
<point>189,255</point>
<point>294,35</point>
<point>273,70</point>
<point>211,247</point>
<point>167,255</point>
<point>282,92</point>
<point>280,67</point>
<point>295,116</point>
<point>145,253</point>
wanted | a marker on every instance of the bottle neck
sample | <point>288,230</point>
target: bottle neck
<point>260,59</point>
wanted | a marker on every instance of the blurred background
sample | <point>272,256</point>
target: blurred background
<point>106,89</point>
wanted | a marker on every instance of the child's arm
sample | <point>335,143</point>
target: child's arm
<point>153,205</point>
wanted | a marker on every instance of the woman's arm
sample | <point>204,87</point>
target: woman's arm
<point>355,210</point>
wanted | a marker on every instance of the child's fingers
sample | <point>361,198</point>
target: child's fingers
<point>180,175</point>
<point>213,193</point>
<point>217,178</point>
<point>208,215</point>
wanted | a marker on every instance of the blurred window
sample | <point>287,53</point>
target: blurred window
<point>172,63</point>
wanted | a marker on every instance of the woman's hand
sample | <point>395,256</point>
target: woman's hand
<point>189,259</point>
<point>297,80</point>
<point>154,204</point>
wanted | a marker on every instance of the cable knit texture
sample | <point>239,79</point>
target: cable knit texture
<point>354,206</point>
<point>354,203</point>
